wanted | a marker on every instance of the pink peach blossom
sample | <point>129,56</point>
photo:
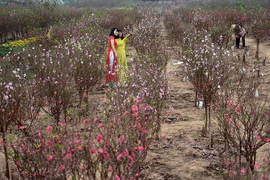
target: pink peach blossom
<point>68,156</point>
<point>126,113</point>
<point>49,128</point>
<point>119,157</point>
<point>50,157</point>
<point>256,166</point>
<point>61,124</point>
<point>100,151</point>
<point>106,155</point>
<point>81,168</point>
<point>243,171</point>
<point>99,137</point>
<point>24,148</point>
<point>121,139</point>
<point>92,151</point>
<point>237,109</point>
<point>134,108</point>
<point>135,114</point>
<point>48,143</point>
<point>79,148</point>
<point>62,167</point>
<point>131,158</point>
<point>136,100</point>
<point>140,148</point>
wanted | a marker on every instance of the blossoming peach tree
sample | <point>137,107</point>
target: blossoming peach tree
<point>243,120</point>
<point>260,26</point>
<point>19,104</point>
<point>208,69</point>
<point>112,143</point>
<point>148,75</point>
<point>113,147</point>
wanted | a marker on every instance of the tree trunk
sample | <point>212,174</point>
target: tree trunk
<point>257,51</point>
<point>240,153</point>
<point>196,98</point>
<point>206,118</point>
<point>209,125</point>
<point>6,153</point>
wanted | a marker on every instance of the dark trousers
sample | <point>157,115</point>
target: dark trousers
<point>238,41</point>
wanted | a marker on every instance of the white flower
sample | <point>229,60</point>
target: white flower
<point>6,97</point>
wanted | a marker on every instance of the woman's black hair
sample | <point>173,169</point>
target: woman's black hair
<point>119,30</point>
<point>112,32</point>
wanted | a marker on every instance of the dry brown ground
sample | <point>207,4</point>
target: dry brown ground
<point>184,155</point>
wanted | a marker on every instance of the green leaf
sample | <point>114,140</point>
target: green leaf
<point>17,157</point>
<point>10,153</point>
<point>58,146</point>
<point>36,146</point>
<point>242,8</point>
<point>69,111</point>
<point>10,137</point>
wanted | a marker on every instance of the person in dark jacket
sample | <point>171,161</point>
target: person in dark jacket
<point>239,32</point>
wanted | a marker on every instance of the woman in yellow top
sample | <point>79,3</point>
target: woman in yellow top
<point>121,55</point>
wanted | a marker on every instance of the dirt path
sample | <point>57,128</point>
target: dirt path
<point>182,155</point>
<point>2,166</point>
<point>264,48</point>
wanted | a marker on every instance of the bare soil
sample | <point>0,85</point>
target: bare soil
<point>183,154</point>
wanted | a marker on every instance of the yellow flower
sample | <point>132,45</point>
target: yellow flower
<point>20,42</point>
